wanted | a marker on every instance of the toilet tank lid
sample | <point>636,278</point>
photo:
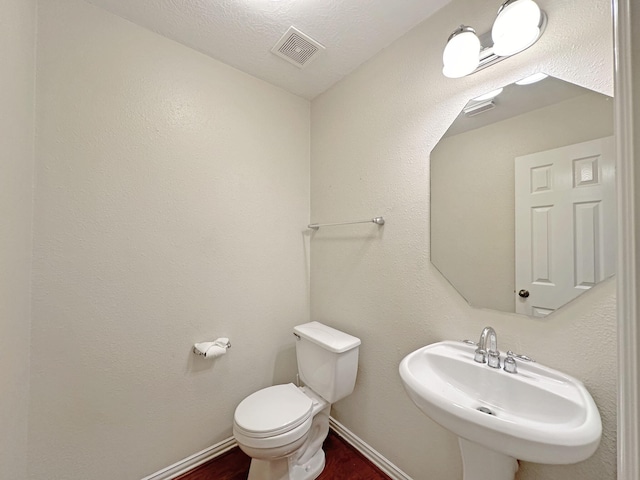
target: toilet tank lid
<point>327,337</point>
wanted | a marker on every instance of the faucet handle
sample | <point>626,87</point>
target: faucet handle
<point>493,359</point>
<point>510,365</point>
<point>480,355</point>
<point>519,356</point>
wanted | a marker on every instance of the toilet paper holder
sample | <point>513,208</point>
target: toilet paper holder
<point>212,349</point>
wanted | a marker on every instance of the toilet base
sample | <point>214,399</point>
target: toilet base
<point>286,469</point>
<point>306,462</point>
<point>269,470</point>
<point>310,470</point>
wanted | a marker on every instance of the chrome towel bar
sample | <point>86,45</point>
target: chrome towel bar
<point>316,226</point>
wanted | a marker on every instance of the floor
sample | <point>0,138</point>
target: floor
<point>343,463</point>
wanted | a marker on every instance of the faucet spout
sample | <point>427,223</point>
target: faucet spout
<point>487,350</point>
<point>488,334</point>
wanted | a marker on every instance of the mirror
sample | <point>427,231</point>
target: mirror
<point>523,199</point>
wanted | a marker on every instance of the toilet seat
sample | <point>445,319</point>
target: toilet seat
<point>273,411</point>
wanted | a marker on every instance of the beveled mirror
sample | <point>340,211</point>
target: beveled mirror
<point>523,197</point>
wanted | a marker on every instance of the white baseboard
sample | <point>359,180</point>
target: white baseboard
<point>365,449</point>
<point>189,463</point>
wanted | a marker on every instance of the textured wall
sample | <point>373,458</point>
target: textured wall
<point>17,63</point>
<point>472,182</point>
<point>371,138</point>
<point>171,207</point>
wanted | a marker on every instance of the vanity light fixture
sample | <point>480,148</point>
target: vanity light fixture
<point>461,56</point>
<point>518,25</point>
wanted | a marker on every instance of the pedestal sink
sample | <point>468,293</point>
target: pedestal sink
<point>537,414</point>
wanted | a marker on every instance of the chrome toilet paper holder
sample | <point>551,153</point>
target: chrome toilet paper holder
<point>201,349</point>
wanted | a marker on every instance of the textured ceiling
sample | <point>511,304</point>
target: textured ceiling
<point>241,33</point>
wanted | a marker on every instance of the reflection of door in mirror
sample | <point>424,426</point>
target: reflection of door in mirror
<point>565,222</point>
<point>473,217</point>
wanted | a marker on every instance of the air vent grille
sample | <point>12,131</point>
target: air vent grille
<point>297,48</point>
<point>478,108</point>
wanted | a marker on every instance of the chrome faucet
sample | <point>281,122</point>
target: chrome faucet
<point>487,351</point>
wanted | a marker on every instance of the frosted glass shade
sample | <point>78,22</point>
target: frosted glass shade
<point>462,54</point>
<point>516,28</point>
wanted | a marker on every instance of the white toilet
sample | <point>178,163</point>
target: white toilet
<point>282,427</point>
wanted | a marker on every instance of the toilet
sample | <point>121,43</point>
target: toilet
<point>282,427</point>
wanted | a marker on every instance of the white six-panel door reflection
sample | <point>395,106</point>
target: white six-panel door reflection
<point>565,224</point>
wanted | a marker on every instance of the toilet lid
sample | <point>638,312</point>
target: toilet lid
<point>273,410</point>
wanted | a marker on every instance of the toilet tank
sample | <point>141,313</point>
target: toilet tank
<point>327,360</point>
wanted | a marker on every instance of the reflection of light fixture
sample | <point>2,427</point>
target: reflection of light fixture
<point>488,96</point>
<point>461,55</point>
<point>518,25</point>
<point>536,77</point>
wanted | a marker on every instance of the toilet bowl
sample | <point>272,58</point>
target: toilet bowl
<point>282,427</point>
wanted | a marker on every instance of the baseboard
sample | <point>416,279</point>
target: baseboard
<point>189,463</point>
<point>368,451</point>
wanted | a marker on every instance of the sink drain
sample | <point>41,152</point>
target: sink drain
<point>485,410</point>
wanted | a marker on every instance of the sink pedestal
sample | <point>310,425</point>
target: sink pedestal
<point>482,463</point>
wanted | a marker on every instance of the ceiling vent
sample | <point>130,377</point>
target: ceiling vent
<point>297,48</point>
<point>478,107</point>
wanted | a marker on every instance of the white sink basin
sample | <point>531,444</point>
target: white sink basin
<point>538,414</point>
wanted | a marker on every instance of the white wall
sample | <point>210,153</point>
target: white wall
<point>17,63</point>
<point>472,193</point>
<point>171,207</point>
<point>371,138</point>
